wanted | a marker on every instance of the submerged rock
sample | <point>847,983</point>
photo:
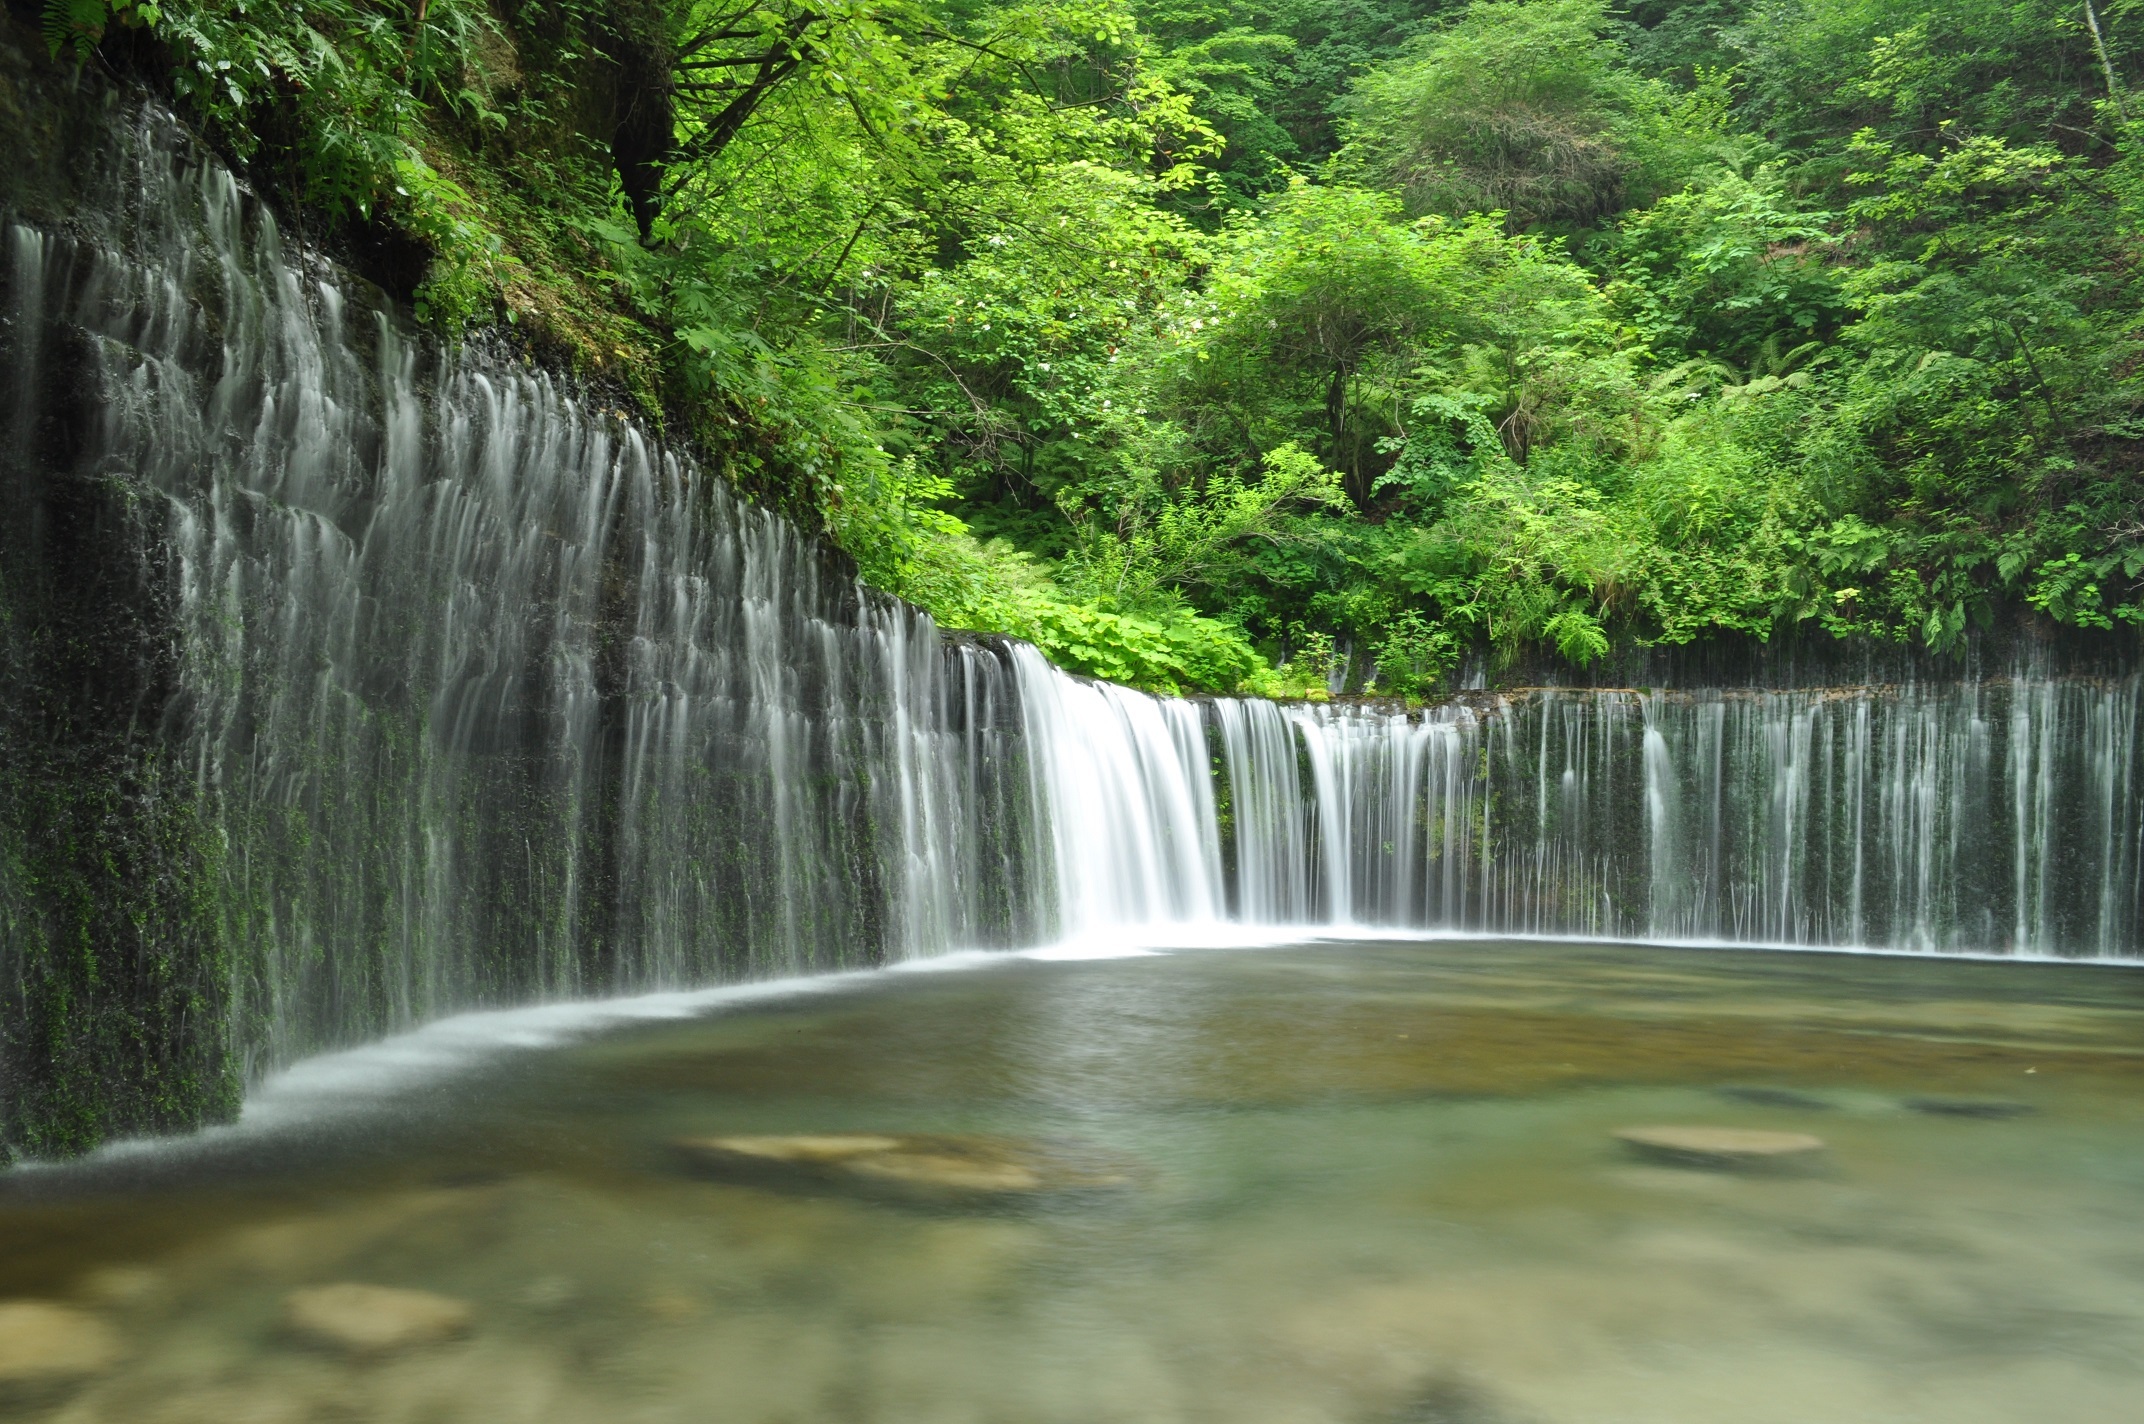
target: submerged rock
<point>1969,1107</point>
<point>922,1165</point>
<point>1449,1401</point>
<point>372,1320</point>
<point>1721,1146</point>
<point>45,1344</point>
<point>1775,1097</point>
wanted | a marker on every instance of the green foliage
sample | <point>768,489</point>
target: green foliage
<point>1727,269</point>
<point>348,87</point>
<point>1526,107</point>
<point>932,559</point>
<point>77,26</point>
<point>1283,346</point>
<point>1162,545</point>
<point>1272,78</point>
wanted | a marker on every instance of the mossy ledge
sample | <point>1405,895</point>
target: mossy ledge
<point>114,960</point>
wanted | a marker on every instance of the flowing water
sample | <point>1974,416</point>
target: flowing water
<point>1370,1182</point>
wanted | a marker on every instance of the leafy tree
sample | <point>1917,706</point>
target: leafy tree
<point>1525,107</point>
<point>1732,272</point>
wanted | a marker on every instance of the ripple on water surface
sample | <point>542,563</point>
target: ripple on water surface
<point>1375,1183</point>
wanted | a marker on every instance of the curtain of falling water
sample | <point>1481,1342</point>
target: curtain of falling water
<point>1126,800</point>
<point>494,699</point>
<point>1270,835</point>
<point>1992,815</point>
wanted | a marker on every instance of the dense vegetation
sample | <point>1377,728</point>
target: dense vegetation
<point>1255,344</point>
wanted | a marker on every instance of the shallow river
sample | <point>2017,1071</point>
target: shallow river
<point>1360,1182</point>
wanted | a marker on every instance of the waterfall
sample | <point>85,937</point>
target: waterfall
<point>488,696</point>
<point>1268,831</point>
<point>1996,814</point>
<point>430,684</point>
<point>1125,802</point>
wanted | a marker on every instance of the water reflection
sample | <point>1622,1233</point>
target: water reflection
<point>1375,1183</point>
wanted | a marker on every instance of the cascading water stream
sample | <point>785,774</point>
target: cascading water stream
<point>487,698</point>
<point>1125,800</point>
<point>1993,815</point>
